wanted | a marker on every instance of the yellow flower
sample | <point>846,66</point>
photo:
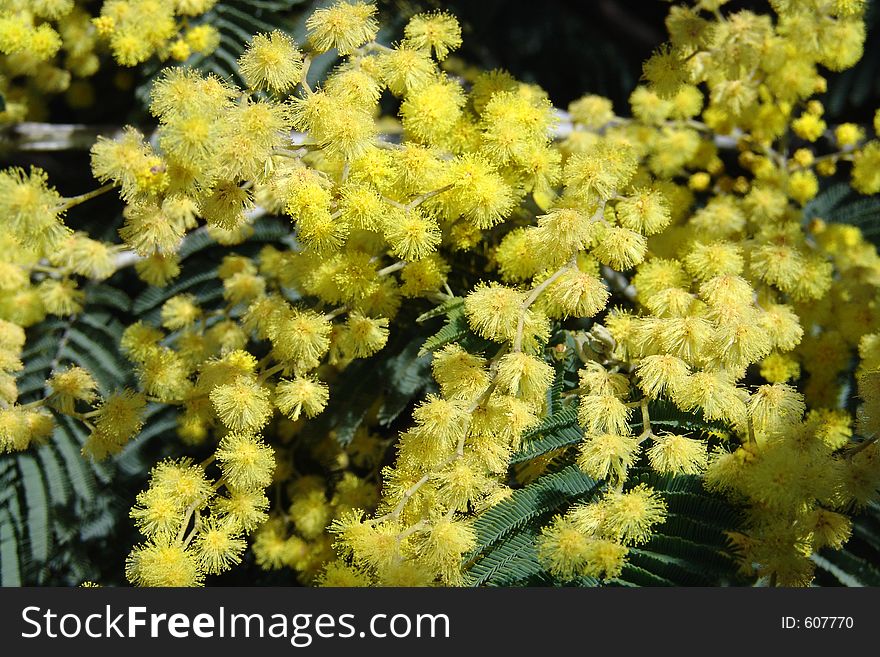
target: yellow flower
<point>70,385</point>
<point>631,515</point>
<point>243,404</point>
<point>301,395</point>
<point>271,61</point>
<point>343,26</point>
<point>524,376</point>
<point>437,31</point>
<point>608,454</point>
<point>163,562</point>
<point>247,462</point>
<point>219,546</point>
<point>675,454</point>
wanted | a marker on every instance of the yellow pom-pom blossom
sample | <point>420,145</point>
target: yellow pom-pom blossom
<point>119,417</point>
<point>631,515</point>
<point>494,311</point>
<point>301,396</point>
<point>343,26</point>
<point>567,551</point>
<point>605,455</point>
<point>247,462</point>
<point>271,61</point>
<point>33,209</point>
<point>242,404</point>
<point>524,376</point>
<point>438,32</point>
<point>676,454</point>
<point>219,546</point>
<point>71,385</point>
<point>662,255</point>
<point>163,563</point>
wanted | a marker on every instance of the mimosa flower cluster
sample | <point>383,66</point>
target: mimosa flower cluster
<point>669,239</point>
<point>54,46</point>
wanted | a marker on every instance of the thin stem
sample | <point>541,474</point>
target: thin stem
<point>289,152</point>
<point>419,526</point>
<point>82,198</point>
<point>844,155</point>
<point>647,431</point>
<point>307,64</point>
<point>536,292</point>
<point>409,492</point>
<point>336,313</point>
<point>195,530</point>
<point>176,402</point>
<point>272,370</point>
<point>855,449</point>
<point>34,404</point>
<point>396,204</point>
<point>390,269</point>
<point>418,200</point>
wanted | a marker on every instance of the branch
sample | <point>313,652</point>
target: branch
<point>88,196</point>
<point>536,292</point>
<point>43,137</point>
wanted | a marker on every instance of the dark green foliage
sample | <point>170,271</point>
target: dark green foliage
<point>384,384</point>
<point>505,553</point>
<point>553,432</point>
<point>200,255</point>
<point>856,563</point>
<point>840,204</point>
<point>855,92</point>
<point>53,503</point>
<point>689,549</point>
<point>456,329</point>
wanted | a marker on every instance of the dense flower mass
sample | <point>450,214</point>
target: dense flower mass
<point>54,46</point>
<point>664,251</point>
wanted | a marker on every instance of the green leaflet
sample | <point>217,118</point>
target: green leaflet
<point>561,428</point>
<point>522,514</point>
<point>455,329</point>
<point>838,203</point>
<point>46,485</point>
<point>554,432</point>
<point>198,275</point>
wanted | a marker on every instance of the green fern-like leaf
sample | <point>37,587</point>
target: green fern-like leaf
<point>553,432</point>
<point>511,562</point>
<point>838,203</point>
<point>199,255</point>
<point>522,514</point>
<point>455,329</point>
<point>46,482</point>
